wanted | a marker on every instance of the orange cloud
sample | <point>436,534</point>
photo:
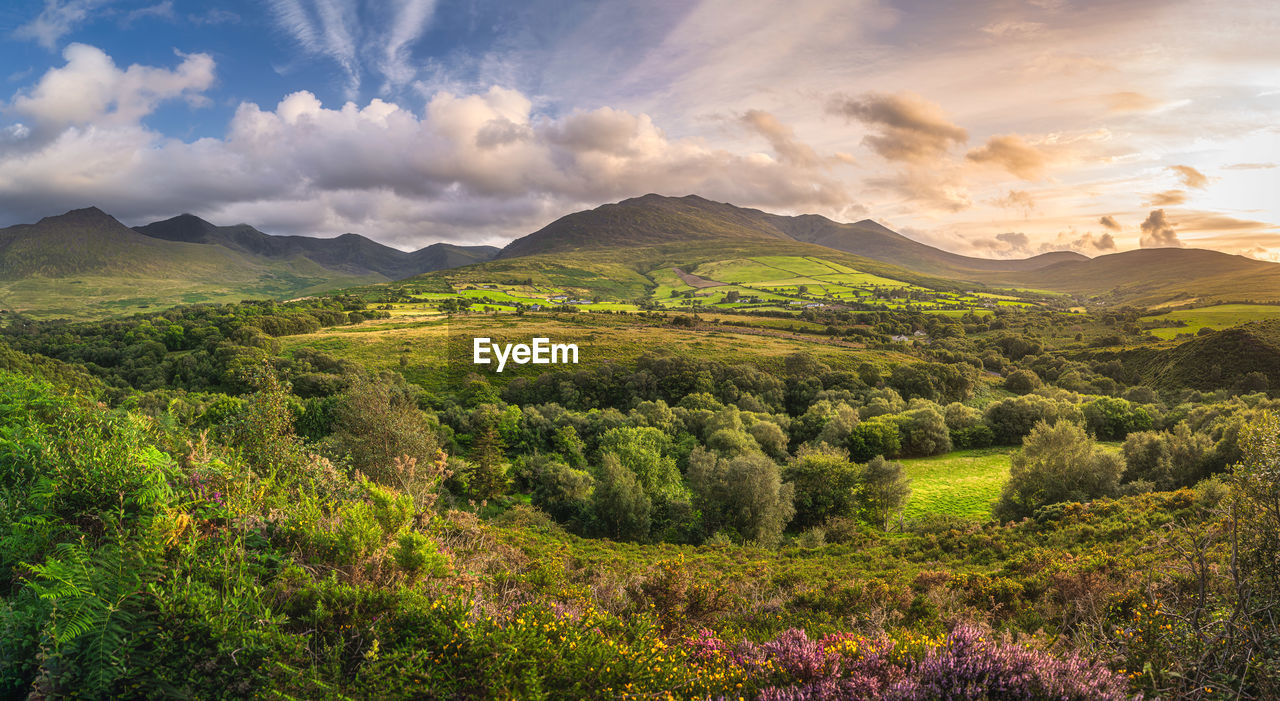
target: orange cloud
<point>909,128</point>
<point>1190,176</point>
<point>1168,198</point>
<point>1012,153</point>
<point>1158,232</point>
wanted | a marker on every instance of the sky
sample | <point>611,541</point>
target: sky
<point>997,128</point>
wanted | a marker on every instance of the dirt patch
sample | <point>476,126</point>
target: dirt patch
<point>694,281</point>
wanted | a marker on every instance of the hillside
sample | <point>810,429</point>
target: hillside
<point>86,264</point>
<point>653,220</point>
<point>873,240</point>
<point>348,253</point>
<point>1215,360</point>
<point>1153,276</point>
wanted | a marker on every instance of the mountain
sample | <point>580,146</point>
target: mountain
<point>654,219</point>
<point>645,221</point>
<point>1152,276</point>
<point>874,240</point>
<point>86,264</point>
<point>348,253</point>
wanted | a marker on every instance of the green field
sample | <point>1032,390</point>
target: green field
<point>963,483</point>
<point>1216,317</point>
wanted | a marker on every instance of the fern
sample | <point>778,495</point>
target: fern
<point>97,604</point>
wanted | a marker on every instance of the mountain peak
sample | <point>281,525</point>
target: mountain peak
<point>86,216</point>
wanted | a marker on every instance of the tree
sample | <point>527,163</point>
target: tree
<point>826,485</point>
<point>487,476</point>
<point>1011,419</point>
<point>622,509</point>
<point>876,436</point>
<point>1169,460</point>
<point>645,453</point>
<point>884,490</point>
<point>1057,463</point>
<point>376,421</point>
<point>924,432</point>
<point>1112,418</point>
<point>1022,381</point>
<point>745,493</point>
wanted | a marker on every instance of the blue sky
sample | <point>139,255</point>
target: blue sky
<point>989,127</point>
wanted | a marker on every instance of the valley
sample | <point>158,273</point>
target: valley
<point>766,446</point>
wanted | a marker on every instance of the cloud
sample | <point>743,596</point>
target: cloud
<point>1212,221</point>
<point>1018,200</point>
<point>936,189</point>
<point>359,36</point>
<point>1129,101</point>
<point>1012,153</point>
<point>91,90</point>
<point>1158,232</point>
<point>908,127</point>
<point>57,19</point>
<point>468,167</point>
<point>1168,198</point>
<point>1087,243</point>
<point>782,138</point>
<point>1190,177</point>
<point>162,10</point>
<point>1252,166</point>
<point>1011,29</point>
<point>1109,222</point>
<point>1015,241</point>
<point>214,16</point>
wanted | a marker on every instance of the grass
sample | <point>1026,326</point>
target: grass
<point>964,483</point>
<point>438,348</point>
<point>1216,317</point>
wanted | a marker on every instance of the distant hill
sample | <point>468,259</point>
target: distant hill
<point>1153,276</point>
<point>1217,360</point>
<point>873,240</point>
<point>86,264</point>
<point>348,253</point>
<point>654,219</point>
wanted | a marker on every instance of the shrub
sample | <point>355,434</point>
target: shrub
<point>1057,463</point>
<point>826,486</point>
<point>1022,381</point>
<point>884,490</point>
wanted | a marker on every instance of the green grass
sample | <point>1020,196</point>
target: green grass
<point>1216,317</point>
<point>963,483</point>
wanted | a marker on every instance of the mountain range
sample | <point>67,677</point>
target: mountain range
<point>87,263</point>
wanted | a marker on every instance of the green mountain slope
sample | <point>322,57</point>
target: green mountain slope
<point>348,253</point>
<point>1213,361</point>
<point>656,220</point>
<point>1157,275</point>
<point>86,264</point>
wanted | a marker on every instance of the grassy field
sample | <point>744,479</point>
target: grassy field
<point>963,483</point>
<point>1216,317</point>
<point>432,342</point>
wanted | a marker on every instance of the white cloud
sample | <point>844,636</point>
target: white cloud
<point>359,35</point>
<point>91,90</point>
<point>467,166</point>
<point>57,19</point>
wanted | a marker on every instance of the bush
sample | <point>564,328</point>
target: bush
<point>1022,381</point>
<point>1012,419</point>
<point>1058,463</point>
<point>745,493</point>
<point>825,485</point>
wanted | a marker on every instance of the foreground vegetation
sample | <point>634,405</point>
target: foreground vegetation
<point>265,499</point>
